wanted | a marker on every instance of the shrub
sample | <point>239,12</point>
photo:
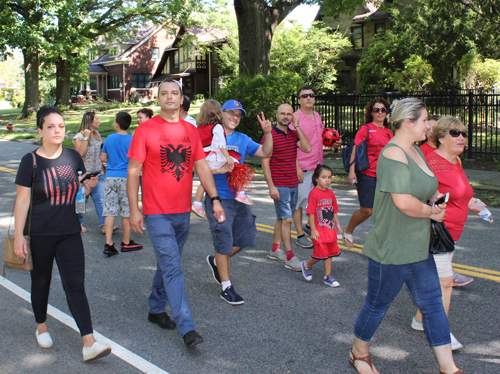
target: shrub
<point>260,94</point>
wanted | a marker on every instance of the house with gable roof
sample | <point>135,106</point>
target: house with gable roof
<point>131,69</point>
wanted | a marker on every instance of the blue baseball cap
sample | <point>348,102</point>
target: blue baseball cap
<point>233,104</point>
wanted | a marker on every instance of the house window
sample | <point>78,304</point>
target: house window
<point>166,67</point>
<point>141,80</point>
<point>186,53</point>
<point>155,54</point>
<point>379,28</point>
<point>176,59</point>
<point>114,81</point>
<point>93,84</point>
<point>113,52</point>
<point>92,56</point>
<point>357,37</point>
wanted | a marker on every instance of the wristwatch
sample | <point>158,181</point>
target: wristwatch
<point>215,198</point>
<point>85,138</point>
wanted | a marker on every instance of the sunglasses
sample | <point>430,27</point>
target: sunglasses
<point>456,133</point>
<point>381,110</point>
<point>303,96</point>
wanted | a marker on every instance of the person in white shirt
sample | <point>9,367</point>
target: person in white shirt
<point>186,104</point>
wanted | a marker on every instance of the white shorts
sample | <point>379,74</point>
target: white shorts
<point>443,264</point>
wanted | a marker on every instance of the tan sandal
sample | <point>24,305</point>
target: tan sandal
<point>353,359</point>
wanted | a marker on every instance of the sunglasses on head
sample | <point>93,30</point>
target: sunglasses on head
<point>381,110</point>
<point>303,96</point>
<point>456,133</point>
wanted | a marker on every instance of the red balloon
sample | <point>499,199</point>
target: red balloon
<point>330,137</point>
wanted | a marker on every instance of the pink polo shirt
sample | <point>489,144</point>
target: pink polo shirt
<point>313,130</point>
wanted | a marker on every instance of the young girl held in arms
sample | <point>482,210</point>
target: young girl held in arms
<point>213,139</point>
<point>322,211</point>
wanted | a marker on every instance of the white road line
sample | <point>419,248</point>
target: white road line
<point>119,351</point>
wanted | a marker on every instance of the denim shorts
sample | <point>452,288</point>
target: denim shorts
<point>238,230</point>
<point>285,206</point>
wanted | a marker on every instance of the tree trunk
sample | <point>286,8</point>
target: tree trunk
<point>31,89</point>
<point>63,82</point>
<point>257,22</point>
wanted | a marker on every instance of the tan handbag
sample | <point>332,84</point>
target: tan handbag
<point>10,260</point>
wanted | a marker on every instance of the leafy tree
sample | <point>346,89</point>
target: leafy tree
<point>476,73</point>
<point>257,23</point>
<point>439,32</point>
<point>311,54</point>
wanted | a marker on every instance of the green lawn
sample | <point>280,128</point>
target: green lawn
<point>73,120</point>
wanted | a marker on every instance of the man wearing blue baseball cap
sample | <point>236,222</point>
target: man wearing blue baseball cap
<point>238,230</point>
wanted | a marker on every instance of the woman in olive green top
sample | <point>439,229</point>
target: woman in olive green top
<point>398,244</point>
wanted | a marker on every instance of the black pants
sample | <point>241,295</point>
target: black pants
<point>70,259</point>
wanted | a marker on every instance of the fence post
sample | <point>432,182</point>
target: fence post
<point>471,121</point>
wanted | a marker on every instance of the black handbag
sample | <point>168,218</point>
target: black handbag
<point>361,158</point>
<point>441,240</point>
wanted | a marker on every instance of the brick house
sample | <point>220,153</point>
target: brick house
<point>192,60</point>
<point>131,69</point>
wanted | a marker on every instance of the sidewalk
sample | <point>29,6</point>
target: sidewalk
<point>480,179</point>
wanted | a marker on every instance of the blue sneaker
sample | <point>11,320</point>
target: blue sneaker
<point>330,281</point>
<point>306,272</point>
<point>213,267</point>
<point>231,297</point>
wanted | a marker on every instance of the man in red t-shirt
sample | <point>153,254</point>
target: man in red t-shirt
<point>280,171</point>
<point>166,148</point>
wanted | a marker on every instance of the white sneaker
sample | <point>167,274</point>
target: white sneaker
<point>277,255</point>
<point>97,350</point>
<point>293,264</point>
<point>415,325</point>
<point>455,344</point>
<point>44,339</point>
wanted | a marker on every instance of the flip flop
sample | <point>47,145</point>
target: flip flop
<point>84,230</point>
<point>346,236</point>
<point>353,359</point>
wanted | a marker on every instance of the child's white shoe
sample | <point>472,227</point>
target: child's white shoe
<point>198,210</point>
<point>242,197</point>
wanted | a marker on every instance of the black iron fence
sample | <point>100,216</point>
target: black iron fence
<point>479,110</point>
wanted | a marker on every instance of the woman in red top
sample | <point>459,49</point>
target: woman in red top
<point>378,136</point>
<point>449,135</point>
<point>429,146</point>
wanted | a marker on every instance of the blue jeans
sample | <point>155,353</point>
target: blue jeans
<point>168,234</point>
<point>98,197</point>
<point>385,282</point>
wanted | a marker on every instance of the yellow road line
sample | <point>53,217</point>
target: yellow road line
<point>7,170</point>
<point>464,269</point>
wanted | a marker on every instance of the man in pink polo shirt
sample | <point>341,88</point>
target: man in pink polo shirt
<point>312,126</point>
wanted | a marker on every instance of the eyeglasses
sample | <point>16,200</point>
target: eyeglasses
<point>381,110</point>
<point>303,96</point>
<point>233,114</point>
<point>456,133</point>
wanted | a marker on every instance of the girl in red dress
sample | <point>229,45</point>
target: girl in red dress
<point>322,211</point>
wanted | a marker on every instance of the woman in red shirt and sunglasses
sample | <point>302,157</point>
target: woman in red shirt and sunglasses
<point>450,137</point>
<point>379,135</point>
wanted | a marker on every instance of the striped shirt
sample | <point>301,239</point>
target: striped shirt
<point>283,161</point>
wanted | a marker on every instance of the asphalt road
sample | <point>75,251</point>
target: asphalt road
<point>287,325</point>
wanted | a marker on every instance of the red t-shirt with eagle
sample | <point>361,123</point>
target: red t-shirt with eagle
<point>167,151</point>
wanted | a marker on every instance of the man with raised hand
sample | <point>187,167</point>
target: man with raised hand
<point>312,126</point>
<point>166,148</point>
<point>280,171</point>
<point>239,230</point>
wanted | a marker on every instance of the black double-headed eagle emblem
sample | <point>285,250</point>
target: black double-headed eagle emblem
<point>175,160</point>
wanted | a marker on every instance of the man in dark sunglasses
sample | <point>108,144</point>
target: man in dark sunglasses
<point>312,126</point>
